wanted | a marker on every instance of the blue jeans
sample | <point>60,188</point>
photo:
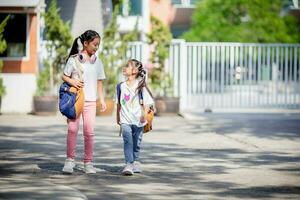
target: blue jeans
<point>132,137</point>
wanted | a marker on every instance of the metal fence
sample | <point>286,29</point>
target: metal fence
<point>235,75</point>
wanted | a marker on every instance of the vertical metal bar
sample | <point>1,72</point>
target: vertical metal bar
<point>222,74</point>
<point>250,76</point>
<point>298,79</point>
<point>209,75</point>
<point>232,76</point>
<point>180,76</point>
<point>190,80</point>
<point>188,70</point>
<point>217,76</point>
<point>176,70</point>
<point>295,78</point>
<point>254,77</point>
<point>290,101</point>
<point>259,75</point>
<point>173,64</point>
<point>231,60</point>
<point>241,65</point>
<point>286,76</point>
<point>237,83</point>
<point>194,56</point>
<point>213,66</point>
<point>197,70</point>
<point>246,82</point>
<point>268,75</point>
<point>190,74</point>
<point>183,73</point>
<point>271,76</point>
<point>263,76</point>
<point>227,77</point>
<point>281,78</point>
<point>200,75</point>
<point>204,80</point>
<point>277,78</point>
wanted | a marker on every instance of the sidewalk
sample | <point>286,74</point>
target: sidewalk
<point>209,156</point>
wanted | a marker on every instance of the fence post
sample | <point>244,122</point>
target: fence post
<point>183,76</point>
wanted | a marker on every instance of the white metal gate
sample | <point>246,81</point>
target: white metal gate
<point>235,75</point>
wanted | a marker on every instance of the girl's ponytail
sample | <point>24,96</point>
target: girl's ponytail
<point>142,75</point>
<point>74,49</point>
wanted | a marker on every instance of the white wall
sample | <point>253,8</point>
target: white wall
<point>88,15</point>
<point>20,89</point>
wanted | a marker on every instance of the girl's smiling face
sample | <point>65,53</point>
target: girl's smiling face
<point>129,69</point>
<point>92,46</point>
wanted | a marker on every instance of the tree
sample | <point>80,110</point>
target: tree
<point>3,46</point>
<point>113,52</point>
<point>60,40</point>
<point>242,21</point>
<point>159,39</point>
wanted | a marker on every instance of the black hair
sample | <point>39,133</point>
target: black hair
<point>87,36</point>
<point>141,73</point>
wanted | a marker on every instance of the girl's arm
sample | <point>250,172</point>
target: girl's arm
<point>101,95</point>
<point>73,82</point>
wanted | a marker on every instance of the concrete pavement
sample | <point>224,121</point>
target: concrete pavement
<point>208,156</point>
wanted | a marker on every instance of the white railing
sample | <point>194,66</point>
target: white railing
<point>235,75</point>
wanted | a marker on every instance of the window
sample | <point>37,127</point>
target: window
<point>15,33</point>
<point>176,1</point>
<point>129,7</point>
<point>184,2</point>
<point>178,30</point>
<point>135,8</point>
<point>193,2</point>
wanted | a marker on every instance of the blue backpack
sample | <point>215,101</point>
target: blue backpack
<point>67,101</point>
<point>71,100</point>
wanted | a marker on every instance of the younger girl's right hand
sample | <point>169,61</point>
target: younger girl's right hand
<point>77,83</point>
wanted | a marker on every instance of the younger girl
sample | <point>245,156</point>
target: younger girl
<point>83,53</point>
<point>130,113</point>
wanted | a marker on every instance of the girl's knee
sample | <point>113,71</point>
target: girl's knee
<point>88,131</point>
<point>73,130</point>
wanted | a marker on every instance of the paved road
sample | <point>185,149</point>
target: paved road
<point>208,156</point>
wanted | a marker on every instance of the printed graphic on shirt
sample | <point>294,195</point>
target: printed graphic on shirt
<point>127,97</point>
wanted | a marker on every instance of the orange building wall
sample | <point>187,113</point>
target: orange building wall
<point>29,65</point>
<point>163,10</point>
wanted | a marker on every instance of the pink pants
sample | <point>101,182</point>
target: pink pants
<point>88,115</point>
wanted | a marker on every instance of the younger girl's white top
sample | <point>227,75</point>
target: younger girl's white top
<point>131,110</point>
<point>91,74</point>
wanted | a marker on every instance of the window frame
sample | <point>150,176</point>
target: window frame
<point>27,43</point>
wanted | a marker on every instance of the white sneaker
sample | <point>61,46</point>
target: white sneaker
<point>69,165</point>
<point>89,169</point>
<point>128,169</point>
<point>136,167</point>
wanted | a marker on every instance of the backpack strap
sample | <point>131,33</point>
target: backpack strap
<point>79,67</point>
<point>119,92</point>
<point>119,104</point>
<point>141,97</point>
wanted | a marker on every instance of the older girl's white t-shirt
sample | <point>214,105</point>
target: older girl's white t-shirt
<point>91,74</point>
<point>131,110</point>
